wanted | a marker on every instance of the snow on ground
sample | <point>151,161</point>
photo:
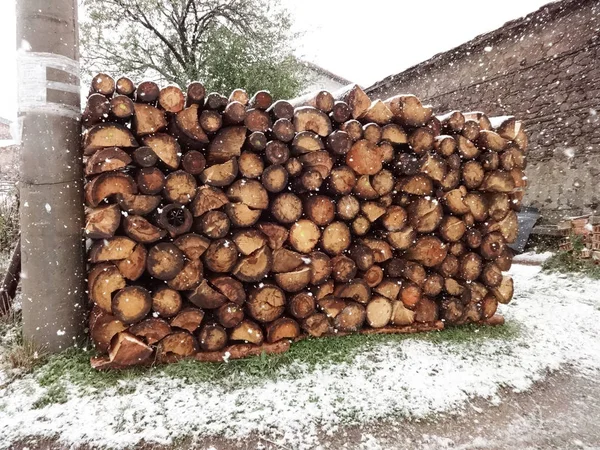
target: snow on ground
<point>557,316</point>
<point>532,257</point>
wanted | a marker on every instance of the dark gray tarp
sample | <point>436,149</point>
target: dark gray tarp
<point>527,219</point>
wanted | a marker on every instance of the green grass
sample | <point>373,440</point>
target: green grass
<point>73,366</point>
<point>569,262</point>
<point>9,225</point>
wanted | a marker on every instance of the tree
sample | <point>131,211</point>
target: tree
<point>226,44</point>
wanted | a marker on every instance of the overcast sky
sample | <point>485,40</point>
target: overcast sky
<point>363,41</point>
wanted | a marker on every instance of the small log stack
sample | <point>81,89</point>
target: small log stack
<point>226,225</point>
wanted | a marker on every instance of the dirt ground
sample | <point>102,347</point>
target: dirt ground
<point>562,412</point>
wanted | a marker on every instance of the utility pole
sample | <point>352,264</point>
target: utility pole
<point>53,255</point>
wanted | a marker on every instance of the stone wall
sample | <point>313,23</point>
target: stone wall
<point>544,69</point>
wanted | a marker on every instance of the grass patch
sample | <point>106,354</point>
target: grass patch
<point>9,224</point>
<point>73,365</point>
<point>568,262</point>
<point>16,352</point>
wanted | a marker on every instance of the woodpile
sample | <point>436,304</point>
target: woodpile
<point>225,226</point>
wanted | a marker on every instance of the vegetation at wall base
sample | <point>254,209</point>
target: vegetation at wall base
<point>570,262</point>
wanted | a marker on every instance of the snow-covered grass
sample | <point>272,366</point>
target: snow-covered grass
<point>297,398</point>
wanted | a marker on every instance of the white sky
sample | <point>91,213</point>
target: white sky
<point>363,41</point>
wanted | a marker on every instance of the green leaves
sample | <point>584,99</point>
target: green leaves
<point>226,44</point>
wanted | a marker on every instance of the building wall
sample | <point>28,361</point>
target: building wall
<point>4,132</point>
<point>318,81</point>
<point>544,69</point>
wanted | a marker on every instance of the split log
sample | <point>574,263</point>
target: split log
<point>176,346</point>
<point>188,319</point>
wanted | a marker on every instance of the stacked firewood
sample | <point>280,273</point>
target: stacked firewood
<point>225,226</point>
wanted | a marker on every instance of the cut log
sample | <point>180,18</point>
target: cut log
<point>266,303</point>
<point>102,222</point>
<point>210,121</point>
<point>347,207</point>
<point>148,119</point>
<point>257,121</point>
<point>316,325</point>
<point>379,312</point>
<point>166,302</point>
<point>186,128</point>
<point>320,266</point>
<point>336,238</point>
<point>125,350</point>
<point>176,219</point>
<point>428,250</point>
<point>356,290</point>
<point>188,319</point>
<point>230,315</point>
<point>150,180</point>
<point>195,93</point>
<point>373,276</point>
<point>96,110</point>
<point>492,245</point>
<point>171,99</point>
<point>419,184</point>
<point>282,328</point>
<point>104,328</point>
<point>144,157</point>
<point>302,305</point>
<point>341,112</point>
<point>286,208</point>
<point>221,256</point>
<point>212,337</point>
<point>295,280</point>
<point>247,331</point>
<point>226,144</point>
<point>138,204</point>
<point>166,148</point>
<point>213,224</point>
<point>206,297</point>
<point>275,178</point>
<point>192,245</point>
<point>165,261</point>
<point>282,109</point>
<point>111,249</point>
<point>250,165</point>
<point>254,267</point>
<point>240,96</point>
<point>147,92</point>
<point>193,162</point>
<point>498,181</point>
<point>241,215</point>
<point>140,230</point>
<point>350,318</point>
<point>408,110</point>
<point>134,265</point>
<point>103,280</point>
<point>107,135</point>
<point>126,87</point>
<point>304,235</point>
<point>175,347</point>
<point>102,84</point>
<point>504,292</point>
<point>356,99</point>
<point>426,311</point>
<point>232,289</point>
<point>425,214</point>
<point>307,118</point>
<point>364,158</point>
<point>220,174</point>
<point>151,330</point>
<point>189,277</point>
<point>283,130</point>
<point>131,304</point>
<point>470,266</point>
<point>106,185</point>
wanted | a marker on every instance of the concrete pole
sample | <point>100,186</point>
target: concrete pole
<point>53,253</point>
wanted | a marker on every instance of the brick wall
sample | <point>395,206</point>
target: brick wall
<point>544,69</point>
